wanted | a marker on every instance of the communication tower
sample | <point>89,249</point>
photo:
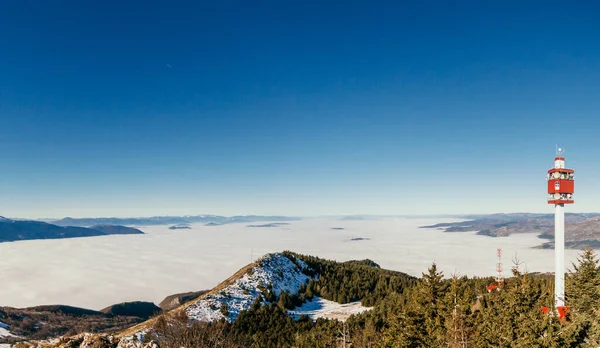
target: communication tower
<point>561,185</point>
<point>499,277</point>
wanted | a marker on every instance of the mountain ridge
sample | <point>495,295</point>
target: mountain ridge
<point>167,220</point>
<point>581,229</point>
<point>20,230</point>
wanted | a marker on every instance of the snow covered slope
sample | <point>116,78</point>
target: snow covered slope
<point>272,270</point>
<point>4,331</point>
<point>322,308</point>
<point>274,273</point>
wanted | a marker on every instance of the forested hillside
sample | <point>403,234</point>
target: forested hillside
<point>432,311</point>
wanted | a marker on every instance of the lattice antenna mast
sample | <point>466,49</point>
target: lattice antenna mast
<point>499,276</point>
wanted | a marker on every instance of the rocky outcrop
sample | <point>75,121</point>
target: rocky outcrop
<point>88,340</point>
<point>176,300</point>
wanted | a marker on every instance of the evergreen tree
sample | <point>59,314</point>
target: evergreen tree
<point>494,321</point>
<point>430,292</point>
<point>285,301</point>
<point>406,329</point>
<point>458,329</point>
<point>583,284</point>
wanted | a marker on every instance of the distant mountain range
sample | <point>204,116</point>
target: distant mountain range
<point>168,220</point>
<point>581,229</point>
<point>15,230</point>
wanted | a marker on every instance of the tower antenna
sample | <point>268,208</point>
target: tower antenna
<point>499,276</point>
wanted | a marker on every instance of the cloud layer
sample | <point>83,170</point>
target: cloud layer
<point>100,271</point>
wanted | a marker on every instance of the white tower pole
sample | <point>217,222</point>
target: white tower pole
<point>559,254</point>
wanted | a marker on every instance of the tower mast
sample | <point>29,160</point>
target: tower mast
<point>499,276</point>
<point>561,186</point>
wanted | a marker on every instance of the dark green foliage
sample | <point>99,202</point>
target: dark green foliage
<point>583,284</point>
<point>352,281</point>
<point>269,326</point>
<point>224,309</point>
<point>285,301</point>
<point>269,295</point>
<point>139,309</point>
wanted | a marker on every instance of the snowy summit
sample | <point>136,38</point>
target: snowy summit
<point>273,271</point>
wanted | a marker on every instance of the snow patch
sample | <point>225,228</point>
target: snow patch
<point>274,270</point>
<point>322,308</point>
<point>4,331</point>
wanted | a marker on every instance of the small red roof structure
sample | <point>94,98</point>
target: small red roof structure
<point>562,312</point>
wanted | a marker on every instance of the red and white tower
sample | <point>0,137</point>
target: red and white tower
<point>560,192</point>
<point>499,276</point>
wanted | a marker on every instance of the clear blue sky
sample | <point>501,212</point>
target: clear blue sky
<point>130,108</point>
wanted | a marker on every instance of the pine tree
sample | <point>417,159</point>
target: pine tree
<point>494,321</point>
<point>365,337</point>
<point>285,301</point>
<point>431,290</point>
<point>406,329</point>
<point>583,284</point>
<point>457,327</point>
<point>429,303</point>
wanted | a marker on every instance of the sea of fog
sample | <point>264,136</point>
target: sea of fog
<point>99,271</point>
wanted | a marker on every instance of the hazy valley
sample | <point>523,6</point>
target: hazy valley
<point>96,273</point>
<point>101,271</point>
